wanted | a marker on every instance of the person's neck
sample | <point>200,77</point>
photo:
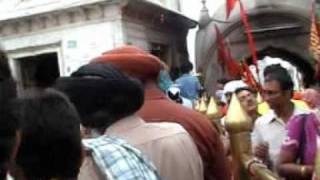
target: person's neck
<point>285,112</point>
<point>253,114</point>
<point>150,84</point>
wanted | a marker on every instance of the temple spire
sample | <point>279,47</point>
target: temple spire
<point>204,15</point>
<point>204,4</point>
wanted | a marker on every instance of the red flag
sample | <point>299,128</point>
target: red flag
<point>224,56</point>
<point>248,77</point>
<point>229,6</point>
<point>233,68</point>
<point>251,42</point>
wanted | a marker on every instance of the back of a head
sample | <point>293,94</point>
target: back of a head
<point>50,139</point>
<point>280,74</point>
<point>102,94</point>
<point>8,123</point>
<point>223,81</point>
<point>186,67</point>
<point>174,94</point>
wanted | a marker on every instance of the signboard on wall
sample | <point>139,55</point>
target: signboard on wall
<point>82,46</point>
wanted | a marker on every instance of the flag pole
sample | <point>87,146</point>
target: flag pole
<point>250,38</point>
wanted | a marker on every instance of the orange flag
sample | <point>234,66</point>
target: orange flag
<point>314,45</point>
<point>230,4</point>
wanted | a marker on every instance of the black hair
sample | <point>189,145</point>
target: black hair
<point>8,123</point>
<point>270,69</point>
<point>278,73</point>
<point>50,137</point>
<point>238,90</point>
<point>223,81</point>
<point>102,94</point>
<point>175,97</point>
<point>186,67</point>
<point>221,103</point>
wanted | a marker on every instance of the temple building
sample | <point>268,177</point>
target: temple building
<point>281,29</point>
<point>61,35</point>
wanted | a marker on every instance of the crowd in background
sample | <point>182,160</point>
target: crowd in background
<point>122,117</point>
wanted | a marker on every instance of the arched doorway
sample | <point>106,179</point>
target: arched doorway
<point>280,29</point>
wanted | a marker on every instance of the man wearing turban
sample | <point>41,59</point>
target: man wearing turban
<point>158,108</point>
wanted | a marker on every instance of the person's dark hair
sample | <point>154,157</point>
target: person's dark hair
<point>221,103</point>
<point>186,67</point>
<point>175,97</point>
<point>50,137</point>
<point>238,90</point>
<point>279,74</point>
<point>102,94</point>
<point>8,123</point>
<point>223,81</point>
<point>271,69</point>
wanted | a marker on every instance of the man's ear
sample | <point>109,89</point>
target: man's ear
<point>288,93</point>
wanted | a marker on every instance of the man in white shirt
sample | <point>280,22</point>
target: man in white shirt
<point>270,129</point>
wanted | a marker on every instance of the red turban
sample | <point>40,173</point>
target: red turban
<point>132,61</point>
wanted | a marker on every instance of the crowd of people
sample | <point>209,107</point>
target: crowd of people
<point>121,117</point>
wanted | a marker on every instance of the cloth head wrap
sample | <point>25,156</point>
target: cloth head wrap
<point>231,86</point>
<point>133,61</point>
<point>102,94</point>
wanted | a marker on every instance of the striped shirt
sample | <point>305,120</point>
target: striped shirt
<point>117,160</point>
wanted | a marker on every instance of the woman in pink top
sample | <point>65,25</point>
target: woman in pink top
<point>298,151</point>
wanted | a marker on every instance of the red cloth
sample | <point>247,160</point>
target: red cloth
<point>230,5</point>
<point>297,95</point>
<point>225,58</point>
<point>133,61</point>
<point>157,108</point>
